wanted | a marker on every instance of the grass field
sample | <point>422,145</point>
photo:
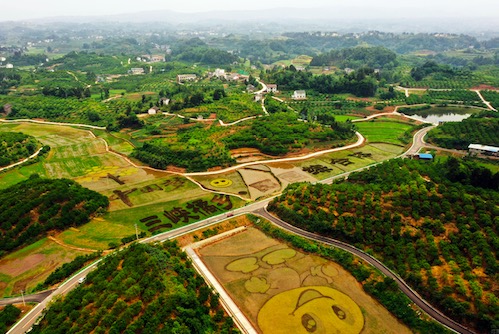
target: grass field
<point>25,268</point>
<point>281,290</point>
<point>300,61</point>
<point>344,118</point>
<point>383,131</point>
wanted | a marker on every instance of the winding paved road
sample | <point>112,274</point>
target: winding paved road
<point>413,296</point>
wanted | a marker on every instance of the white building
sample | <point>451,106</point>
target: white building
<point>483,149</point>
<point>137,70</point>
<point>299,95</point>
<point>186,77</point>
<point>219,73</point>
<point>271,88</point>
<point>153,111</point>
<point>164,101</point>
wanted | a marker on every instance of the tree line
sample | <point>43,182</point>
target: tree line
<point>478,129</point>
<point>358,57</point>
<point>363,82</point>
<point>281,133</point>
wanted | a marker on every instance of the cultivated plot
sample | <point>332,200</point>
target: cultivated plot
<point>281,290</point>
<point>25,268</point>
<point>383,131</point>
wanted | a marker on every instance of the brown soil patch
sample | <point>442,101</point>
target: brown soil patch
<point>485,87</point>
<point>291,176</point>
<point>224,226</point>
<point>23,284</point>
<point>364,99</point>
<point>264,185</point>
<point>19,266</point>
<point>283,165</point>
<point>176,169</point>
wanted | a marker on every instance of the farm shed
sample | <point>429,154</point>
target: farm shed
<point>423,156</point>
<point>483,149</point>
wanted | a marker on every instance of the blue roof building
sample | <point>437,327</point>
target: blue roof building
<point>425,156</point>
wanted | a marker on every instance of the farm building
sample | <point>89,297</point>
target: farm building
<point>153,111</point>
<point>423,156</point>
<point>299,95</point>
<point>271,88</point>
<point>483,149</point>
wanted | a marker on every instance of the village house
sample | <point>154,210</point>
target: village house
<point>186,77</point>
<point>136,70</point>
<point>299,95</point>
<point>153,111</point>
<point>164,101</point>
<point>219,73</point>
<point>271,88</point>
<point>349,70</point>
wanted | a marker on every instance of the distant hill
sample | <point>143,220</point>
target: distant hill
<point>340,18</point>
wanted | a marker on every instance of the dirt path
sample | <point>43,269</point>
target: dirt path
<point>60,243</point>
<point>487,103</point>
<point>22,161</point>
<point>53,123</point>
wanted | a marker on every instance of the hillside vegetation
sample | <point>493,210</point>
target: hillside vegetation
<point>15,146</point>
<point>31,208</point>
<point>143,289</point>
<point>200,147</point>
<point>478,129</point>
<point>433,224</point>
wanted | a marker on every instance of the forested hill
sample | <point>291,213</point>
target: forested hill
<point>435,224</point>
<point>15,146</point>
<point>478,129</point>
<point>148,289</point>
<point>31,208</point>
<point>374,57</point>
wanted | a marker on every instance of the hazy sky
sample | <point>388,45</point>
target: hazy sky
<point>25,9</point>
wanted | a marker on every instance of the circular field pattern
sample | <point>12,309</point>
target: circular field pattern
<point>313,309</point>
<point>221,183</point>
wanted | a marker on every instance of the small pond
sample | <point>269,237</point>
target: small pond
<point>441,114</point>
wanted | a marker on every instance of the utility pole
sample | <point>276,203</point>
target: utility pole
<point>22,294</point>
<point>136,232</point>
